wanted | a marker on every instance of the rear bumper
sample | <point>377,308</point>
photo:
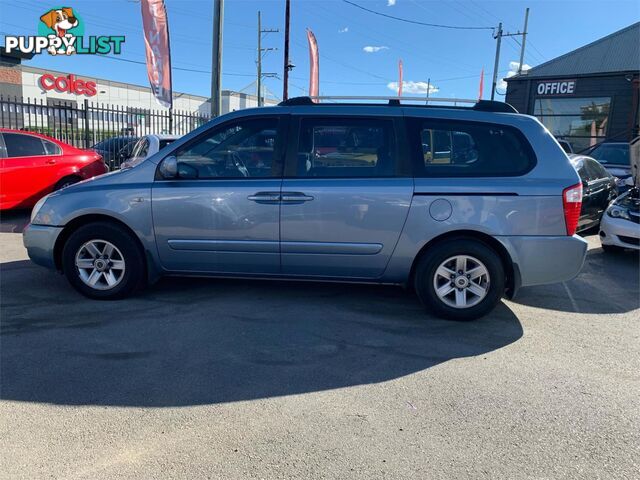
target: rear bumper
<point>542,260</point>
<point>40,240</point>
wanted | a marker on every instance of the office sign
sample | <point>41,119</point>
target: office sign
<point>553,88</point>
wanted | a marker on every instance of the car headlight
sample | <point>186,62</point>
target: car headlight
<point>618,212</point>
<point>37,219</point>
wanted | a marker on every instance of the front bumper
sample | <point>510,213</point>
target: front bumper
<point>539,260</point>
<point>40,240</point>
<point>619,232</point>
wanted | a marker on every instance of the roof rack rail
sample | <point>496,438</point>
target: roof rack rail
<point>480,105</point>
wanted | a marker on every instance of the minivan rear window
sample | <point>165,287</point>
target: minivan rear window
<point>464,149</point>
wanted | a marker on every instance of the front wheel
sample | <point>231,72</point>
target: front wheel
<point>103,261</point>
<point>460,279</point>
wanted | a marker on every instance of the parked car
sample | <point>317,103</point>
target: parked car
<point>462,227</point>
<point>598,190</point>
<point>614,156</point>
<point>620,227</point>
<point>110,149</point>
<point>566,146</point>
<point>33,165</point>
<point>144,148</point>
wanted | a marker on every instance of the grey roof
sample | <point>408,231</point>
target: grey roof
<point>617,52</point>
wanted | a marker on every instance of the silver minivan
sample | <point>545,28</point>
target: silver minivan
<point>464,205</point>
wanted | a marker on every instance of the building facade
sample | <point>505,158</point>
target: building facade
<point>588,95</point>
<point>53,87</point>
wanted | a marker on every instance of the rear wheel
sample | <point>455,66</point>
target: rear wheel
<point>103,261</point>
<point>460,279</point>
<point>66,181</point>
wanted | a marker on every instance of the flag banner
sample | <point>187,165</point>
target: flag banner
<point>156,40</point>
<point>481,84</point>
<point>314,63</point>
<point>400,78</point>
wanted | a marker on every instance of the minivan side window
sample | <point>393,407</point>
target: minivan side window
<point>236,150</point>
<point>342,147</point>
<point>461,149</point>
<point>19,145</point>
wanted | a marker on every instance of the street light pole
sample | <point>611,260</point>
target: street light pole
<point>216,61</point>
<point>285,73</point>
<point>524,39</point>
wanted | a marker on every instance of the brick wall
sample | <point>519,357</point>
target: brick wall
<point>10,75</point>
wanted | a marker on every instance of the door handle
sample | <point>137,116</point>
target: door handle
<point>295,197</point>
<point>51,161</point>
<point>263,197</point>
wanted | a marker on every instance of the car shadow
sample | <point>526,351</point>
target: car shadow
<point>14,221</point>
<point>198,341</point>
<point>608,283</point>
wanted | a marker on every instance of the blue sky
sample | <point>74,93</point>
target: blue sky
<point>359,51</point>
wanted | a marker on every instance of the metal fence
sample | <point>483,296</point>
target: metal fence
<point>86,124</point>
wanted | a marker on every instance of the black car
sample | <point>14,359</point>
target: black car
<point>598,190</point>
<point>616,158</point>
<point>111,147</point>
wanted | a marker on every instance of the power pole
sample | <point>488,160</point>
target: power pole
<point>524,40</point>
<point>287,66</point>
<point>216,61</point>
<point>497,62</point>
<point>260,75</point>
<point>498,36</point>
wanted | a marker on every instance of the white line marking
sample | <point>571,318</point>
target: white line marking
<point>570,295</point>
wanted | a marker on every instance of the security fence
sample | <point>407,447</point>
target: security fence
<point>90,123</point>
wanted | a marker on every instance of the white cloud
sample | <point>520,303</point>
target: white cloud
<point>373,49</point>
<point>513,70</point>
<point>414,87</point>
<point>343,30</point>
<point>391,3</point>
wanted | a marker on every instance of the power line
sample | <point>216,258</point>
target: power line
<point>437,25</point>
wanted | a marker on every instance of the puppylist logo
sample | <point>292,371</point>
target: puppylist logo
<point>61,32</point>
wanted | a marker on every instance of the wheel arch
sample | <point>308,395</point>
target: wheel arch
<point>82,220</point>
<point>512,280</point>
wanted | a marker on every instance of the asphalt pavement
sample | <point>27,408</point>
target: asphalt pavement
<point>231,379</point>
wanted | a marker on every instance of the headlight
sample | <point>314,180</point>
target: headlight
<point>39,220</point>
<point>618,212</point>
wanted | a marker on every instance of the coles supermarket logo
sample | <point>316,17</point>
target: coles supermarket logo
<point>61,32</point>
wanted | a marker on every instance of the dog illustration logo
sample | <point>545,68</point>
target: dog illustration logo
<point>61,32</point>
<point>60,20</point>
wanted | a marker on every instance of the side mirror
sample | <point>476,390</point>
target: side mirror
<point>169,168</point>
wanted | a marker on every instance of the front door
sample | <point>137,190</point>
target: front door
<point>345,197</point>
<point>221,215</point>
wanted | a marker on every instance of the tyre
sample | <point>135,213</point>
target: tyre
<point>65,182</point>
<point>612,248</point>
<point>460,279</point>
<point>103,261</point>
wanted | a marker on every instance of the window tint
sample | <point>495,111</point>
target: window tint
<point>243,149</point>
<point>51,148</point>
<point>346,148</point>
<point>583,172</point>
<point>597,170</point>
<point>19,145</point>
<point>451,149</point>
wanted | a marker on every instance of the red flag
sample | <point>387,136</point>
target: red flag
<point>400,78</point>
<point>481,84</point>
<point>314,73</point>
<point>156,40</point>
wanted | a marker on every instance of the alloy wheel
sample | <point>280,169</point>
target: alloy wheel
<point>100,264</point>
<point>461,281</point>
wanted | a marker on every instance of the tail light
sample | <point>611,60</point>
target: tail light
<point>572,203</point>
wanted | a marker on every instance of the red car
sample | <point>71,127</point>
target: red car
<point>33,165</point>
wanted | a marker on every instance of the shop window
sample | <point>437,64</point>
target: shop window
<point>583,122</point>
